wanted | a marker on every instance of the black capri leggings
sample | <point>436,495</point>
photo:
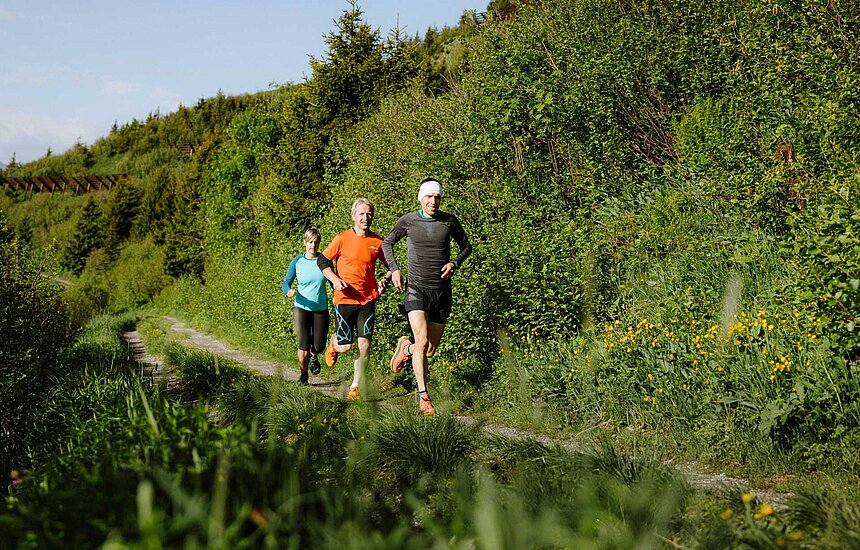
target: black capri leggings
<point>311,328</point>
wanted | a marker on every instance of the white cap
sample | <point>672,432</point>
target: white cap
<point>428,187</point>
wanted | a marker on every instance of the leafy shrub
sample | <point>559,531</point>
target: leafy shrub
<point>84,300</point>
<point>136,276</point>
<point>35,328</point>
<point>825,246</point>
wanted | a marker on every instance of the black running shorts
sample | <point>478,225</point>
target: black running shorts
<point>353,320</point>
<point>436,302</point>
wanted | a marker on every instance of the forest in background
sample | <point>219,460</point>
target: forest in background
<point>663,199</point>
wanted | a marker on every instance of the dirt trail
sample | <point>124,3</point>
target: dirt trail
<point>153,367</point>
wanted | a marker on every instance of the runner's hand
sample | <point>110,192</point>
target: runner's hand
<point>291,293</point>
<point>381,284</point>
<point>448,270</point>
<point>397,279</point>
<point>339,284</point>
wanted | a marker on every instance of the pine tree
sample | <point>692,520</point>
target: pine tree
<point>87,236</point>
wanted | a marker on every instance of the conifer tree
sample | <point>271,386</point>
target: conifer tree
<point>87,236</point>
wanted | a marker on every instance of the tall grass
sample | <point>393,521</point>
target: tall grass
<point>261,462</point>
<point>156,471</point>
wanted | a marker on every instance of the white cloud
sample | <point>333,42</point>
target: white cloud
<point>32,75</point>
<point>115,88</point>
<point>29,136</point>
<point>167,101</point>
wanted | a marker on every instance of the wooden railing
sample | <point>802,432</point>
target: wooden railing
<point>62,184</point>
<point>186,149</point>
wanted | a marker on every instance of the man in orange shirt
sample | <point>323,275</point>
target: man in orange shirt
<point>356,289</point>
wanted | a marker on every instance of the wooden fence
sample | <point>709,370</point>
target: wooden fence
<point>62,184</point>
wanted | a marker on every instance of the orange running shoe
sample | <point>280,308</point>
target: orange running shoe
<point>353,393</point>
<point>426,406</point>
<point>330,352</point>
<point>400,356</point>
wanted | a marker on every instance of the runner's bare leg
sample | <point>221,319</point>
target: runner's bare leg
<point>361,361</point>
<point>303,356</point>
<point>418,323</point>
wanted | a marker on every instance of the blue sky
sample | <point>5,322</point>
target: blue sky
<point>69,69</point>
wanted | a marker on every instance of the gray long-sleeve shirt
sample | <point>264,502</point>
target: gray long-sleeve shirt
<point>428,247</point>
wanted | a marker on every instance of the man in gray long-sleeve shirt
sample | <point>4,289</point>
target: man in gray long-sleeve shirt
<point>428,298</point>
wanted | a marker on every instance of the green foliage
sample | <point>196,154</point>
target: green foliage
<point>117,461</point>
<point>232,179</point>
<point>402,449</point>
<point>157,472</point>
<point>203,374</point>
<point>87,236</point>
<point>78,161</point>
<point>120,212</point>
<point>139,147</point>
<point>825,247</point>
<point>135,277</point>
<point>35,328</point>
<point>156,205</point>
<point>612,162</point>
<point>45,220</point>
<point>358,70</point>
<point>111,284</point>
<point>346,81</point>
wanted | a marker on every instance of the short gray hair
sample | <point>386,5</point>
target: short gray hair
<point>358,202</point>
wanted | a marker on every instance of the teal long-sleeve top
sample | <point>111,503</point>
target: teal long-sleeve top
<point>311,294</point>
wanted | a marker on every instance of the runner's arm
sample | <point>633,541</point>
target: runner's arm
<point>462,241</point>
<point>289,277</point>
<point>399,231</point>
<point>327,268</point>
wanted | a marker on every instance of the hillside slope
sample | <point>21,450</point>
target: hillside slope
<point>662,197</point>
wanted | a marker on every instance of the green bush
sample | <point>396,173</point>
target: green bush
<point>35,328</point>
<point>824,245</point>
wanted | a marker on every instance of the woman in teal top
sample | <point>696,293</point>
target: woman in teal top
<point>310,312</point>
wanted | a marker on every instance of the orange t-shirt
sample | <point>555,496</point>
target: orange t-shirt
<point>356,265</point>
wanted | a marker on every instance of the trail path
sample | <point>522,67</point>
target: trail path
<point>153,367</point>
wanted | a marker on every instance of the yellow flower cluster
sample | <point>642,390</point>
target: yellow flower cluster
<point>763,334</point>
<point>615,336</point>
<point>537,357</point>
<point>447,365</point>
<point>781,365</point>
<point>308,424</point>
<point>765,517</point>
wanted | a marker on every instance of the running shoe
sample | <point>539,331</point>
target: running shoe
<point>330,352</point>
<point>303,379</point>
<point>353,393</point>
<point>314,364</point>
<point>426,406</point>
<point>400,356</point>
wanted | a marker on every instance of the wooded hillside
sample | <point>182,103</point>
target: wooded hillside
<point>662,196</point>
